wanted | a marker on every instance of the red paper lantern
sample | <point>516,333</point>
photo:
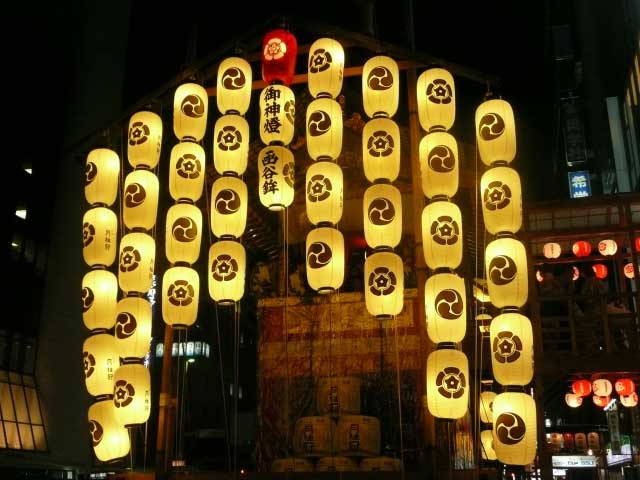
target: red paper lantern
<point>601,401</point>
<point>601,271</point>
<point>279,54</point>
<point>625,386</point>
<point>581,387</point>
<point>637,244</point>
<point>581,248</point>
<point>567,439</point>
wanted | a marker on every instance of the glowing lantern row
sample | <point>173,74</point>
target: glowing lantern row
<point>486,438</point>
<point>99,299</point>
<point>183,233</point>
<point>141,190</point>
<point>186,171</point>
<point>231,144</point>
<point>384,290</point>
<point>447,383</point>
<point>100,360</point>
<point>324,192</point>
<point>102,174</point>
<point>501,200</point>
<point>601,387</point>
<point>511,338</point>
<point>445,307</point>
<point>144,140</point>
<point>381,149</point>
<point>607,247</point>
<point>624,386</point>
<point>382,212</point>
<point>600,269</point>
<point>325,259</point>
<point>551,250</point>
<point>180,296</point>
<point>439,166</point>
<point>99,237</point>
<point>132,394</point>
<point>277,115</point>
<point>486,406</point>
<point>276,170</point>
<point>190,108</point>
<point>581,248</point>
<point>136,261</point>
<point>380,86</point>
<point>506,271</point>
<point>573,400</point>
<point>109,439</point>
<point>227,267</point>
<point>324,129</point>
<point>496,132</point>
<point>325,68</point>
<point>279,54</point>
<point>630,400</point>
<point>436,99</point>
<point>442,236</point>
<point>514,428</point>
<point>629,271</point>
<point>229,200</point>
<point>581,388</point>
<point>132,330</point>
<point>233,92</point>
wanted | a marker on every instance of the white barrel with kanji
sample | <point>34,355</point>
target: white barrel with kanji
<point>338,395</point>
<point>291,465</point>
<point>381,464</point>
<point>336,464</point>
<point>313,437</point>
<point>357,436</point>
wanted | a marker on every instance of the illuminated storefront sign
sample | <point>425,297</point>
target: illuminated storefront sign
<point>579,184</point>
<point>573,461</point>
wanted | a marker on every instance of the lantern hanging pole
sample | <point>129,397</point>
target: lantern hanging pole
<point>165,406</point>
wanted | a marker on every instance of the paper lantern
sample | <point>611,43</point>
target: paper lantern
<point>600,269</point>
<point>567,440</point>
<point>593,441</point>
<point>324,129</point>
<point>231,144</point>
<point>381,149</point>
<point>277,115</point>
<point>227,267</point>
<point>233,92</point>
<point>324,195</point>
<point>382,213</point>
<point>445,307</point>
<point>186,171</point>
<point>514,428</point>
<point>636,244</point>
<point>486,406</point>
<point>630,400</point>
<point>539,276</point>
<point>384,287</point>
<point>447,383</point>
<point>601,402</point>
<point>140,199</point>
<point>276,170</point>
<point>624,386</point>
<point>99,236</point>
<point>102,174</point>
<point>576,273</point>
<point>629,271</point>
<point>573,400</point>
<point>551,250</point>
<point>137,258</point>
<point>229,200</point>
<point>511,338</point>
<point>581,248</point>
<point>325,68</point>
<point>442,235</point>
<point>109,439</point>
<point>99,299</point>
<point>144,139</point>
<point>380,86</point>
<point>555,440</point>
<point>133,327</point>
<point>506,271</point>
<point>501,200</point>
<point>582,388</point>
<point>486,438</point>
<point>581,441</point>
<point>183,233</point>
<point>132,394</point>
<point>607,247</point>
<point>325,259</point>
<point>180,296</point>
<point>190,108</point>
<point>100,360</point>
<point>436,99</point>
<point>279,54</point>
<point>601,387</point>
<point>439,166</point>
<point>496,132</point>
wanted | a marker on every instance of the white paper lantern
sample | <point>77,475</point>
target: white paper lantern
<point>602,387</point>
<point>100,361</point>
<point>109,439</point>
<point>514,428</point>
<point>629,401</point>
<point>180,296</point>
<point>132,331</point>
<point>447,383</point>
<point>231,144</point>
<point>551,250</point>
<point>496,132</point>
<point>384,284</point>
<point>277,115</point>
<point>99,237</point>
<point>140,197</point>
<point>511,339</point>
<point>190,108</point>
<point>381,149</point>
<point>145,140</point>
<point>573,400</point>
<point>506,271</point>
<point>439,164</point>
<point>276,176</point>
<point>442,236</point>
<point>324,183</point>
<point>325,68</point>
<point>228,207</point>
<point>186,171</point>
<point>486,406</point>
<point>445,307</point>
<point>324,129</point>
<point>436,99</point>
<point>325,259</point>
<point>99,299</point>
<point>486,438</point>
<point>102,174</point>
<point>382,212</point>
<point>629,271</point>
<point>501,200</point>
<point>132,394</point>
<point>607,247</point>
<point>183,233</point>
<point>380,86</point>
<point>233,92</point>
<point>137,258</point>
<point>227,267</point>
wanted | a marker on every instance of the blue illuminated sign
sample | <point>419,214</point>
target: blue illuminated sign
<point>579,184</point>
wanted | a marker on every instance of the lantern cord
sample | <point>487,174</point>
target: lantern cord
<point>130,449</point>
<point>398,392</point>
<point>285,222</point>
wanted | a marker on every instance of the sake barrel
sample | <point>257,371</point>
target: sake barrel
<point>291,465</point>
<point>313,437</point>
<point>338,395</point>
<point>580,441</point>
<point>381,464</point>
<point>357,436</point>
<point>555,440</point>
<point>336,464</point>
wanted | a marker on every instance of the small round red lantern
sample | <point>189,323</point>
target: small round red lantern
<point>573,400</point>
<point>567,439</point>
<point>581,248</point>
<point>581,388</point>
<point>637,244</point>
<point>601,271</point>
<point>279,54</point>
<point>629,271</point>
<point>625,386</point>
<point>601,401</point>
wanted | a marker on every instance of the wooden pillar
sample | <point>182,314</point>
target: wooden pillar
<point>166,408</point>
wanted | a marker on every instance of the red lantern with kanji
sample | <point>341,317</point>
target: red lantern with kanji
<point>601,401</point>
<point>600,269</point>
<point>581,387</point>
<point>625,386</point>
<point>637,244</point>
<point>581,248</point>
<point>279,53</point>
